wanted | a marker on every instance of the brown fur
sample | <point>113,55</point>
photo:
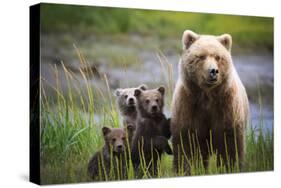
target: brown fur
<point>202,108</point>
<point>152,133</point>
<point>113,155</point>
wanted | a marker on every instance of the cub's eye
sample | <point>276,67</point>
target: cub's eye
<point>217,58</point>
<point>123,138</point>
<point>202,57</point>
<point>113,139</point>
<point>126,96</point>
<point>157,100</point>
<point>147,101</point>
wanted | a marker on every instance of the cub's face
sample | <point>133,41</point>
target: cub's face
<point>126,98</point>
<point>150,102</point>
<point>116,138</point>
<point>206,60</point>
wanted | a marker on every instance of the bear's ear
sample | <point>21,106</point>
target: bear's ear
<point>143,87</point>
<point>137,92</point>
<point>130,128</point>
<point>226,41</point>
<point>105,131</point>
<point>188,38</point>
<point>117,92</point>
<point>161,90</point>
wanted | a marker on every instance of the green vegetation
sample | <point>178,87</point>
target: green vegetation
<point>248,32</point>
<point>71,131</point>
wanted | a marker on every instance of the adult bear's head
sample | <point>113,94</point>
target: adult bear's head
<point>206,59</point>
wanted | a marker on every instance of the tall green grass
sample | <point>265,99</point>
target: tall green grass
<point>71,125</point>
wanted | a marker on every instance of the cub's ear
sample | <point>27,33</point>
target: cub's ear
<point>226,41</point>
<point>130,128</point>
<point>188,38</point>
<point>143,87</point>
<point>161,90</point>
<point>105,131</point>
<point>137,92</point>
<point>117,92</point>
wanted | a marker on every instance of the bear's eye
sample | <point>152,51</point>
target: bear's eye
<point>113,139</point>
<point>202,57</point>
<point>126,96</point>
<point>123,138</point>
<point>217,58</point>
<point>157,100</point>
<point>147,101</point>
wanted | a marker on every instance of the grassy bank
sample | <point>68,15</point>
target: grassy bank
<point>71,131</point>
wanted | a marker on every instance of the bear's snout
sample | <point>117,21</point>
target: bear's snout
<point>154,108</point>
<point>131,101</point>
<point>119,148</point>
<point>213,74</point>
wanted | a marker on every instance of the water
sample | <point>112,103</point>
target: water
<point>261,118</point>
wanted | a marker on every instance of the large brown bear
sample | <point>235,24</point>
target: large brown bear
<point>210,105</point>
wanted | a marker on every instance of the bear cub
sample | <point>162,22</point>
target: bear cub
<point>150,139</point>
<point>109,163</point>
<point>127,102</point>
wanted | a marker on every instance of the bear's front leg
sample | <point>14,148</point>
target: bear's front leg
<point>182,154</point>
<point>160,143</point>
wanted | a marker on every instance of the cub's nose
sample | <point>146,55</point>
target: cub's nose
<point>119,148</point>
<point>154,108</point>
<point>213,73</point>
<point>131,101</point>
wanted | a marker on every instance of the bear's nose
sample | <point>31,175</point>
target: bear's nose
<point>154,108</point>
<point>119,147</point>
<point>213,73</point>
<point>131,100</point>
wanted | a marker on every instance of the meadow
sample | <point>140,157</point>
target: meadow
<point>86,53</point>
